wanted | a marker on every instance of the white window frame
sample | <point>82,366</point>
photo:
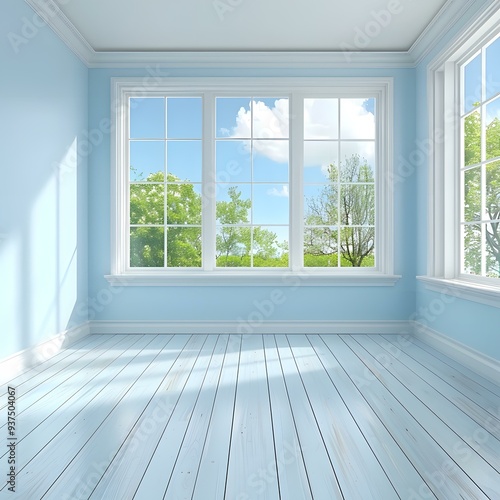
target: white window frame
<point>380,88</point>
<point>444,183</point>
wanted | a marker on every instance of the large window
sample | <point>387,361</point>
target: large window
<point>464,167</point>
<point>259,180</point>
<point>480,162</point>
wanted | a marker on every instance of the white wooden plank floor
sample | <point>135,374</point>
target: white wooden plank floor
<point>316,417</point>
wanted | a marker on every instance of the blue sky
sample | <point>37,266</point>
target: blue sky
<point>252,144</point>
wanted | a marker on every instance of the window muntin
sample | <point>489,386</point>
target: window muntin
<point>480,163</point>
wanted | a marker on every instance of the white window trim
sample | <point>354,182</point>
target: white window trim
<point>443,84</point>
<point>383,275</point>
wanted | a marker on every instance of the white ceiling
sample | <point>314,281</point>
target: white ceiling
<point>249,25</point>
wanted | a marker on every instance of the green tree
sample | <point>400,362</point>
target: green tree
<point>236,244</point>
<point>183,208</point>
<point>473,208</point>
<point>349,202</point>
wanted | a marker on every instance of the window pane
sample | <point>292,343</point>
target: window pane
<point>270,204</point>
<point>472,139</point>
<point>320,205</point>
<point>321,247</point>
<point>233,246</point>
<point>184,160</point>
<point>147,161</point>
<point>472,249</point>
<point>493,191</point>
<point>183,204</point>
<point>357,205</point>
<point>233,117</point>
<point>493,129</point>
<point>270,118</point>
<point>472,194</point>
<point>357,247</point>
<point>472,84</point>
<point>147,247</point>
<point>147,203</point>
<point>184,247</point>
<point>493,69</point>
<point>357,161</point>
<point>321,118</point>
<point>357,119</point>
<point>184,117</point>
<point>233,204</point>
<point>319,156</point>
<point>493,250</point>
<point>270,246</point>
<point>147,118</point>
<point>270,161</point>
<point>233,161</point>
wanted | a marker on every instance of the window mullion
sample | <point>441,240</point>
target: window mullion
<point>209,185</point>
<point>296,245</point>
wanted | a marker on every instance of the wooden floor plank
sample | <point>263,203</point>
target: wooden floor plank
<point>398,467</point>
<point>212,471</point>
<point>459,369</point>
<point>57,365</point>
<point>14,364</point>
<point>465,428</point>
<point>463,458</point>
<point>426,455</point>
<point>182,480</point>
<point>38,474</point>
<point>359,473</point>
<point>60,380</point>
<point>276,417</point>
<point>108,440</point>
<point>155,480</point>
<point>252,468</point>
<point>61,405</point>
<point>292,474</point>
<point>127,466</point>
<point>466,405</point>
<point>322,478</point>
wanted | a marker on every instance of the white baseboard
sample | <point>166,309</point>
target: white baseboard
<point>257,327</point>
<point>21,361</point>
<point>479,362</point>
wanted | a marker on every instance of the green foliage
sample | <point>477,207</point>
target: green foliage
<point>235,245</point>
<point>473,207</point>
<point>348,202</point>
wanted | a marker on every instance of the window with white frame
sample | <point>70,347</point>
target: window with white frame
<point>464,187</point>
<point>213,179</point>
<point>480,162</point>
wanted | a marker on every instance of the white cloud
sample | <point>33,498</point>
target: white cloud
<point>280,193</point>
<point>320,122</point>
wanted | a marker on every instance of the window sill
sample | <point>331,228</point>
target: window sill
<point>476,292</point>
<point>287,278</point>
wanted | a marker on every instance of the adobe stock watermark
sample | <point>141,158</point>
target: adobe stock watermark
<point>364,36</point>
<point>30,27</point>
<point>223,7</point>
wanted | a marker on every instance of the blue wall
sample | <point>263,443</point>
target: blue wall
<point>43,186</point>
<point>471,323</point>
<point>231,303</point>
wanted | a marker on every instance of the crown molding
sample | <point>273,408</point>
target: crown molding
<point>447,17</point>
<point>63,27</point>
<point>50,12</point>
